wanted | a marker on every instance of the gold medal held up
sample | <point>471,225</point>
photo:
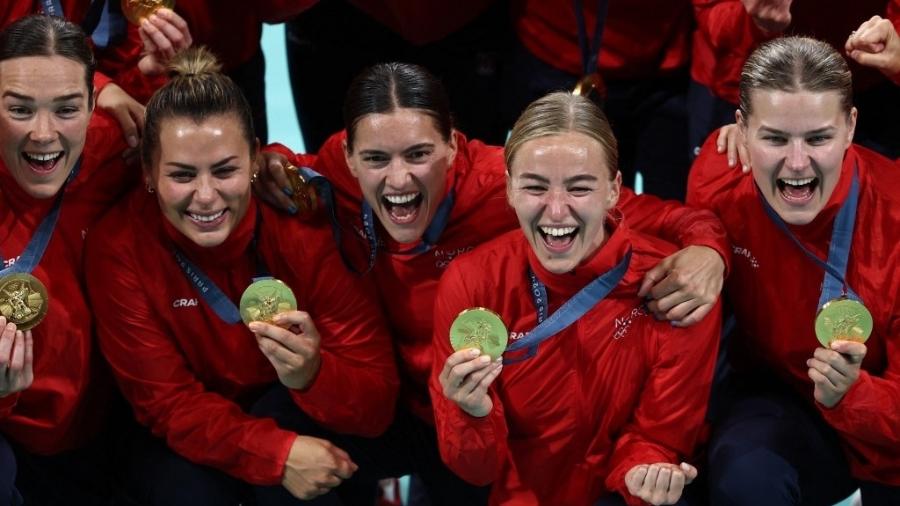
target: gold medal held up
<point>479,328</point>
<point>843,319</point>
<point>304,194</point>
<point>23,300</point>
<point>264,299</point>
<point>136,10</point>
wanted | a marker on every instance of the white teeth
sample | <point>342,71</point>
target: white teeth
<point>206,218</point>
<point>557,231</point>
<point>797,182</point>
<point>43,157</point>
<point>401,199</point>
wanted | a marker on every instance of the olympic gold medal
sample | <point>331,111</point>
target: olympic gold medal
<point>479,328</point>
<point>590,83</point>
<point>136,10</point>
<point>304,194</point>
<point>266,298</point>
<point>843,319</point>
<point>23,300</point>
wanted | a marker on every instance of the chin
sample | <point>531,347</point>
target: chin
<point>208,239</point>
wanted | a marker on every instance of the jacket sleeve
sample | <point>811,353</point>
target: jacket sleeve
<point>727,26</point>
<point>670,220</point>
<point>473,448</point>
<point>868,417</point>
<point>120,62</point>
<point>355,390</point>
<point>152,373</point>
<point>670,416</point>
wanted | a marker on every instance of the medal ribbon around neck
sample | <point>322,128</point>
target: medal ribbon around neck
<point>590,53</point>
<point>429,238</point>
<point>569,312</point>
<point>834,285</point>
<point>211,293</point>
<point>34,251</point>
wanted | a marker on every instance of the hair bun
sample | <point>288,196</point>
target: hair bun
<point>194,61</point>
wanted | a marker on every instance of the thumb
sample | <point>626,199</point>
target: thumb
<point>690,472</point>
<point>652,277</point>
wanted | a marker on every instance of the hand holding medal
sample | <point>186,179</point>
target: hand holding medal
<point>287,337</point>
<point>16,358</point>
<point>136,10</point>
<point>479,338</point>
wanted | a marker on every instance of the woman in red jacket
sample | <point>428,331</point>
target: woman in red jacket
<point>60,167</point>
<point>601,397</point>
<point>412,194</point>
<point>165,270</point>
<point>813,413</point>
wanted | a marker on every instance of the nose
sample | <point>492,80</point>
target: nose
<point>557,205</point>
<point>43,131</point>
<point>397,174</point>
<point>205,191</point>
<point>797,157</point>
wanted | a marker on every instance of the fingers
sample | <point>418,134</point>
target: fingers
<point>17,362</point>
<point>822,374</point>
<point>7,339</point>
<point>634,479</point>
<point>653,276</point>
<point>690,472</point>
<point>694,316</point>
<point>28,371</point>
<point>168,32</point>
<point>744,157</point>
<point>178,29</point>
<point>852,351</point>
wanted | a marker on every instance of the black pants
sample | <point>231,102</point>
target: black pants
<point>771,448</point>
<point>409,446</point>
<point>648,117</point>
<point>333,41</point>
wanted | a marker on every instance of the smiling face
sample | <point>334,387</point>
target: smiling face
<point>796,142</point>
<point>560,189</point>
<point>202,176</point>
<point>401,162</point>
<point>43,122</point>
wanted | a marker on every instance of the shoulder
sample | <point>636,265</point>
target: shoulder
<point>879,176</point>
<point>491,258</point>
<point>711,179</point>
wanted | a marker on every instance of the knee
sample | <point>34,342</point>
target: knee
<point>750,476</point>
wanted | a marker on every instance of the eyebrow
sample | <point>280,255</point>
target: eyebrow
<point>26,98</point>
<point>414,147</point>
<point>188,166</point>
<point>776,131</point>
<point>573,179</point>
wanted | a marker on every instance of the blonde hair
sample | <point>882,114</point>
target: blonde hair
<point>196,90</point>
<point>795,64</point>
<point>559,113</point>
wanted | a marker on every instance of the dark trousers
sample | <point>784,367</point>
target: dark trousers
<point>251,79</point>
<point>409,446</point>
<point>771,448</point>
<point>648,117</point>
<point>333,41</point>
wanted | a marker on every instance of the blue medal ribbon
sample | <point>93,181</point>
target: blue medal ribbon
<point>34,251</point>
<point>53,8</point>
<point>429,238</point>
<point>211,293</point>
<point>834,284</point>
<point>590,53</point>
<point>568,313</point>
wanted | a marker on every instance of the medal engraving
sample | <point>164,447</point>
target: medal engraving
<point>136,10</point>
<point>479,328</point>
<point>23,300</point>
<point>843,319</point>
<point>264,299</point>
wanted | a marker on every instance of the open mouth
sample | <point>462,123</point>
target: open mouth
<point>402,208</point>
<point>207,220</point>
<point>797,190</point>
<point>558,239</point>
<point>43,163</point>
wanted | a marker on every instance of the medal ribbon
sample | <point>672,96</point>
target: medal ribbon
<point>34,251</point>
<point>568,313</point>
<point>212,294</point>
<point>52,8</point>
<point>326,193</point>
<point>429,237</point>
<point>590,54</point>
<point>835,284</point>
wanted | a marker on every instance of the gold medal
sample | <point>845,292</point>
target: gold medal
<point>136,10</point>
<point>843,319</point>
<point>479,328</point>
<point>590,83</point>
<point>304,194</point>
<point>23,300</point>
<point>266,298</point>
